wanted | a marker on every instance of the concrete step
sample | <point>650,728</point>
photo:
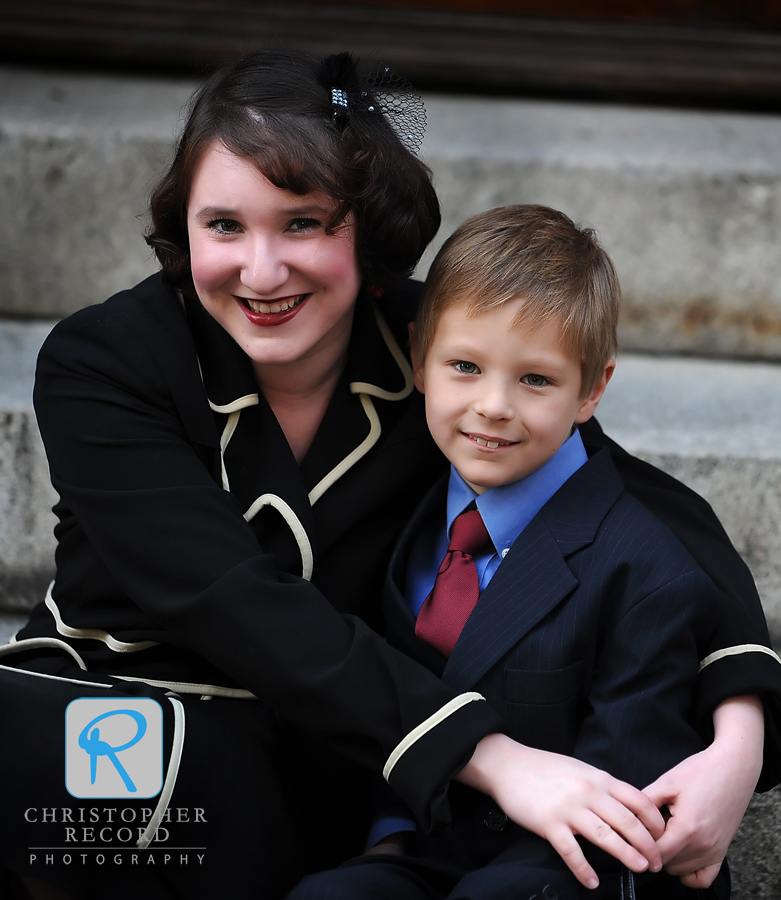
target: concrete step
<point>687,203</point>
<point>10,623</point>
<point>26,496</point>
<point>755,853</point>
<point>716,426</point>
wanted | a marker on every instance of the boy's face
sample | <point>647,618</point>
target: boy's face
<point>501,400</point>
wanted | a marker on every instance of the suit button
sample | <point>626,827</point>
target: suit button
<point>550,893</point>
<point>495,821</point>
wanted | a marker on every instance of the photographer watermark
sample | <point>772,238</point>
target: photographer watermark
<point>113,750</point>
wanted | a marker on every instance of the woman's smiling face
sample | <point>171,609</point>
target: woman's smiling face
<point>264,266</point>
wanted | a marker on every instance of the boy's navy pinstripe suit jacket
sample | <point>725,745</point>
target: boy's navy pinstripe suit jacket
<point>587,640</point>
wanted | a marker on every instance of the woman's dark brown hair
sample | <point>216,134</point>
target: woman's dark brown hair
<point>274,108</point>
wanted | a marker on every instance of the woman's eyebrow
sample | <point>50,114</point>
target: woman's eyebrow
<point>215,212</point>
<point>305,210</point>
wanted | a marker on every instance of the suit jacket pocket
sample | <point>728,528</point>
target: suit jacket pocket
<point>544,707</point>
<point>543,686</point>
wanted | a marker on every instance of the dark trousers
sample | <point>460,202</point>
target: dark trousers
<point>404,878</point>
<point>250,814</point>
<point>379,877</point>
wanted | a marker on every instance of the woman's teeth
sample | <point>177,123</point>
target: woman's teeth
<point>276,307</point>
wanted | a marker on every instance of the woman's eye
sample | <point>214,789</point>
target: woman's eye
<point>465,368</point>
<point>535,380</point>
<point>224,226</point>
<point>298,225</point>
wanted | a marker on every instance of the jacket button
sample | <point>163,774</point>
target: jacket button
<point>495,821</point>
<point>550,893</point>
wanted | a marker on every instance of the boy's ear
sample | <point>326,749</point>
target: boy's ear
<point>589,404</point>
<point>413,350</point>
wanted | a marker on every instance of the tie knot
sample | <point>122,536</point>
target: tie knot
<point>469,534</point>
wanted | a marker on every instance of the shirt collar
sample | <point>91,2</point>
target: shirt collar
<point>508,508</point>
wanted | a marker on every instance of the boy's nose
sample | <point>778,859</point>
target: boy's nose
<point>494,402</point>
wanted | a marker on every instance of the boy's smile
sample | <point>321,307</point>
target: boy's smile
<point>501,399</point>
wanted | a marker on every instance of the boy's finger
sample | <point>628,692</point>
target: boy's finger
<point>702,878</point>
<point>641,806</point>
<point>604,833</point>
<point>564,843</point>
<point>674,844</point>
<point>625,823</point>
<point>661,792</point>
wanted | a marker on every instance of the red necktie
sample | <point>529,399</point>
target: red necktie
<point>457,588</point>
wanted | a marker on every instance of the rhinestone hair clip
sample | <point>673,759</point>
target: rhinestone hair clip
<point>339,98</point>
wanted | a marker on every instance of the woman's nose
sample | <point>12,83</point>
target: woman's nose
<point>264,269</point>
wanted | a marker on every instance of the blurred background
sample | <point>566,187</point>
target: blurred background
<point>657,122</point>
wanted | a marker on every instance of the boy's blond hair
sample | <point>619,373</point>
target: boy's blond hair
<point>541,256</point>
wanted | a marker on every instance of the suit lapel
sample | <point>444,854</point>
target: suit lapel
<point>258,467</point>
<point>399,618</point>
<point>535,575</point>
<point>532,579</point>
<point>376,368</point>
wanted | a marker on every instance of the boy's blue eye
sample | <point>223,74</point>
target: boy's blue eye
<point>465,368</point>
<point>535,380</point>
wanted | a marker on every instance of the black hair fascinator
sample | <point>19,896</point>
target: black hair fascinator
<point>383,93</point>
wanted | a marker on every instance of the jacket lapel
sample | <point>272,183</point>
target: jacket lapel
<point>400,620</point>
<point>376,368</point>
<point>258,466</point>
<point>535,575</point>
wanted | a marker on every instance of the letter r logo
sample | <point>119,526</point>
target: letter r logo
<point>113,747</point>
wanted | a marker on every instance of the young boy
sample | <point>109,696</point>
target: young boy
<point>592,618</point>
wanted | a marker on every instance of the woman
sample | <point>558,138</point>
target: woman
<point>236,444</point>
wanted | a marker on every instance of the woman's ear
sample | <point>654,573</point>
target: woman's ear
<point>590,403</point>
<point>413,351</point>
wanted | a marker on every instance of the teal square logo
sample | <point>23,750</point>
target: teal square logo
<point>113,748</point>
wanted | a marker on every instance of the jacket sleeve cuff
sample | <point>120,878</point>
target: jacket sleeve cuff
<point>736,671</point>
<point>421,766</point>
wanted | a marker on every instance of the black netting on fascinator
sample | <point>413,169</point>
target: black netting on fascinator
<point>401,105</point>
<point>383,93</point>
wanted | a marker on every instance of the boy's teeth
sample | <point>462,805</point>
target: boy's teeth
<point>267,308</point>
<point>484,443</point>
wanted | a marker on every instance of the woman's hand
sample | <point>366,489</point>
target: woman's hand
<point>707,794</point>
<point>558,797</point>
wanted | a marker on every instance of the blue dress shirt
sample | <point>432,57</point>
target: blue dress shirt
<point>506,511</point>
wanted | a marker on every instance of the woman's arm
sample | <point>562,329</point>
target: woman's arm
<point>707,794</point>
<point>171,559</point>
